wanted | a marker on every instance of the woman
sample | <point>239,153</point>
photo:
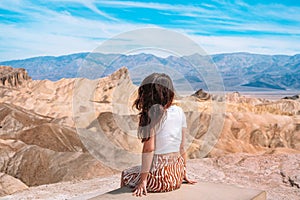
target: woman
<point>162,128</point>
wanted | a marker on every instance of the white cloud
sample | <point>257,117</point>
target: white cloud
<point>54,33</point>
<point>51,32</point>
<point>238,16</point>
<point>91,5</point>
<point>260,45</point>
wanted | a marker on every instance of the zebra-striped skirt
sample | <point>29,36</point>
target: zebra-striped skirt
<point>166,173</point>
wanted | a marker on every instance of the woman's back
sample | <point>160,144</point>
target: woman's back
<point>169,135</point>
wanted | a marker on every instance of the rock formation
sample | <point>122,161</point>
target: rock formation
<point>295,97</point>
<point>9,184</point>
<point>201,95</point>
<point>14,119</point>
<point>33,129</point>
<point>10,77</point>
<point>37,150</point>
<point>34,165</point>
<point>277,174</point>
<point>247,127</point>
<point>40,145</point>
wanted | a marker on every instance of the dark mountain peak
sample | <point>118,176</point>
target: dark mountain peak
<point>295,97</point>
<point>201,94</point>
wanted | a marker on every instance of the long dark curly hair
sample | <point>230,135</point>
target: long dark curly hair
<point>155,95</point>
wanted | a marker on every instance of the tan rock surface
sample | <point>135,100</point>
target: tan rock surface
<point>34,165</point>
<point>33,129</point>
<point>277,174</point>
<point>14,119</point>
<point>250,124</point>
<point>50,136</point>
<point>10,185</point>
<point>39,143</point>
<point>12,77</point>
<point>68,190</point>
<point>199,191</point>
<point>245,128</point>
<point>55,99</point>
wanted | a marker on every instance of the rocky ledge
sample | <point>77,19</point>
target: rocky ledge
<point>12,77</point>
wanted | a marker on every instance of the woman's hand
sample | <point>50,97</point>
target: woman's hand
<point>185,178</point>
<point>140,189</point>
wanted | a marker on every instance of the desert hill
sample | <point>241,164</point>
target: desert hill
<point>39,143</point>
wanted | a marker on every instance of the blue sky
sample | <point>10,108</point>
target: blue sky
<point>31,28</point>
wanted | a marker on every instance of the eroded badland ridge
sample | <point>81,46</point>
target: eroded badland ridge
<point>260,139</point>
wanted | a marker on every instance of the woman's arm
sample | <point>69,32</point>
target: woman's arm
<point>147,157</point>
<point>183,154</point>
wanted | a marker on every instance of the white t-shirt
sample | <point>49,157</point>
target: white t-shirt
<point>169,135</point>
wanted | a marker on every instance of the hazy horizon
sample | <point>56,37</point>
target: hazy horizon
<point>222,53</point>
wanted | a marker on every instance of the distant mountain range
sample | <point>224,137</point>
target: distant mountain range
<point>239,71</point>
